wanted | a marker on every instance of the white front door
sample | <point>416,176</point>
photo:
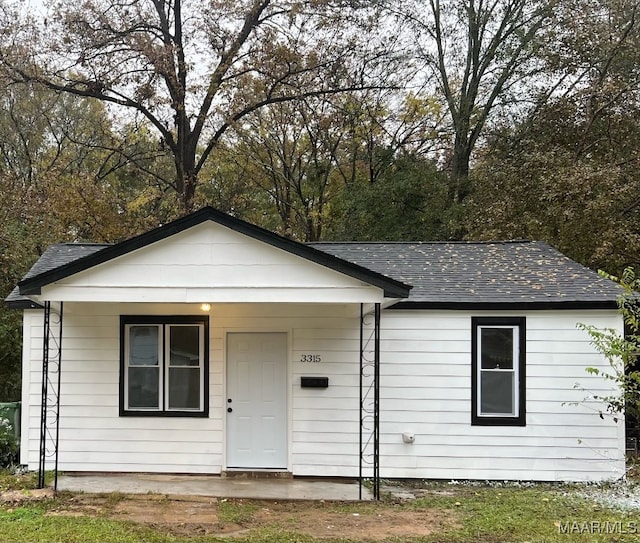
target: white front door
<point>257,400</point>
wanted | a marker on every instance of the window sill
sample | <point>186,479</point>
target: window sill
<point>498,421</point>
<point>159,414</point>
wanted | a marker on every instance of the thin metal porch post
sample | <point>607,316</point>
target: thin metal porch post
<point>50,395</point>
<point>43,396</point>
<point>360,474</point>
<point>376,411</point>
<point>370,400</point>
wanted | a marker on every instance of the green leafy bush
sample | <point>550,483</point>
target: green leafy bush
<point>622,351</point>
<point>8,444</point>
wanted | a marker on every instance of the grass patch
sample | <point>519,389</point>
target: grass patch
<point>11,480</point>
<point>114,498</point>
<point>39,523</point>
<point>236,512</point>
<point>541,513</point>
<point>277,534</point>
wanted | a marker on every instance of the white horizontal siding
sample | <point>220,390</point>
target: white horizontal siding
<point>425,390</point>
<point>93,437</point>
<point>564,437</point>
<point>29,364</point>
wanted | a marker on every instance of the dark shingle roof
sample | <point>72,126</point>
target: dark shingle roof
<point>443,274</point>
<point>55,256</point>
<point>510,273</point>
<point>62,253</point>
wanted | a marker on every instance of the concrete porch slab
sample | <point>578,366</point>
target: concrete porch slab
<point>215,486</point>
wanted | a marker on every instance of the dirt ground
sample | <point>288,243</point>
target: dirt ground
<point>192,515</point>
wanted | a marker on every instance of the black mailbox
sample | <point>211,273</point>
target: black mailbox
<point>314,382</point>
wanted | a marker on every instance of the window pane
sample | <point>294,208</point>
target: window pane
<point>184,388</point>
<point>185,346</point>
<point>496,393</point>
<point>143,387</point>
<point>143,346</point>
<point>497,348</point>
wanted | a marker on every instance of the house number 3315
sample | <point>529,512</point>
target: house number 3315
<point>310,358</point>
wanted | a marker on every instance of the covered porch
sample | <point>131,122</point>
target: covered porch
<point>307,404</point>
<point>208,293</point>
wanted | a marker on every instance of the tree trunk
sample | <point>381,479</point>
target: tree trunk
<point>186,174</point>
<point>459,177</point>
<point>190,183</point>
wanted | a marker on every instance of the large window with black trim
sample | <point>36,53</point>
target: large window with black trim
<point>164,365</point>
<point>498,371</point>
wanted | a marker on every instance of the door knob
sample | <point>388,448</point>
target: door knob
<point>229,410</point>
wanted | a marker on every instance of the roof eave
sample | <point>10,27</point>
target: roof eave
<point>22,304</point>
<point>517,305</point>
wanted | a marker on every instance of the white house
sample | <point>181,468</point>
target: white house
<point>210,345</point>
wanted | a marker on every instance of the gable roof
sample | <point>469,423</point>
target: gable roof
<point>66,259</point>
<point>491,275</point>
<point>495,275</point>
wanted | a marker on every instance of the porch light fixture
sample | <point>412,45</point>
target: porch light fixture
<point>205,307</point>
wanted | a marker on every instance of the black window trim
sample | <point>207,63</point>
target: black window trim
<point>476,418</point>
<point>164,320</point>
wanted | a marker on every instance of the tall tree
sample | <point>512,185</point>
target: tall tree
<point>537,182</point>
<point>310,157</point>
<point>289,151</point>
<point>567,172</point>
<point>376,126</point>
<point>594,54</point>
<point>480,55</point>
<point>57,183</point>
<point>408,201</point>
<point>190,68</point>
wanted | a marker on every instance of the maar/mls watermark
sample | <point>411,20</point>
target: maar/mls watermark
<point>597,527</point>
